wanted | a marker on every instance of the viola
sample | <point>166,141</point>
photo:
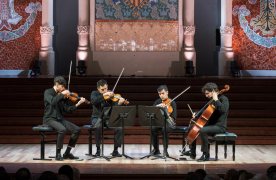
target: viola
<point>74,98</point>
<point>115,98</point>
<point>167,103</point>
<point>199,122</point>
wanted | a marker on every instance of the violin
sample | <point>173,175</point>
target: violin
<point>74,98</point>
<point>167,103</point>
<point>115,98</point>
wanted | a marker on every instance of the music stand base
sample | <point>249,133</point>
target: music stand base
<point>149,155</point>
<point>165,158</point>
<point>126,156</point>
<point>100,157</point>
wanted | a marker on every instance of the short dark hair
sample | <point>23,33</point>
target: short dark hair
<point>101,82</point>
<point>60,80</point>
<point>271,172</point>
<point>209,87</point>
<point>162,87</point>
<point>23,173</point>
<point>66,170</point>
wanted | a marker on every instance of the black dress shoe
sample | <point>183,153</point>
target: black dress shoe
<point>69,156</point>
<point>204,157</point>
<point>155,152</point>
<point>98,153</point>
<point>166,154</point>
<point>189,153</point>
<point>115,153</point>
<point>59,157</point>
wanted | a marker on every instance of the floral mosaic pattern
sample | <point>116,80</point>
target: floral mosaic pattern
<point>20,43</point>
<point>136,9</point>
<point>254,48</point>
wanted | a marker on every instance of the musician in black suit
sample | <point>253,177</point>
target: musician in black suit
<point>56,105</point>
<point>170,117</point>
<point>101,100</point>
<point>217,123</point>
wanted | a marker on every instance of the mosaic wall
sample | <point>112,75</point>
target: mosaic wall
<point>254,39</point>
<point>137,25</point>
<point>137,9</point>
<point>20,23</point>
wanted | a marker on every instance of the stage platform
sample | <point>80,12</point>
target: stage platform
<point>253,158</point>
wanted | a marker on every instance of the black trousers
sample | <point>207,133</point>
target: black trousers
<point>155,140</point>
<point>61,126</point>
<point>203,134</point>
<point>156,130</point>
<point>98,133</point>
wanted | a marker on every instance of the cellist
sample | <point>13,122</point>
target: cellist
<point>217,123</point>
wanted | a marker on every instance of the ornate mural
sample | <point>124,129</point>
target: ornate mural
<point>132,36</point>
<point>137,9</point>
<point>137,25</point>
<point>20,23</point>
<point>254,39</point>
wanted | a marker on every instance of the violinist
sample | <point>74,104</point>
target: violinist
<point>56,104</point>
<point>170,112</point>
<point>217,123</point>
<point>102,101</point>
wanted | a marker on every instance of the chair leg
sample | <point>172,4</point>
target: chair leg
<point>42,148</point>
<point>216,158</point>
<point>89,142</point>
<point>225,149</point>
<point>234,148</point>
<point>183,140</point>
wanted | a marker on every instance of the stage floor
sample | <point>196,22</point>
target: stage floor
<point>253,158</point>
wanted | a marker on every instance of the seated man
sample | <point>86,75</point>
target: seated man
<point>102,104</point>
<point>217,123</point>
<point>56,104</point>
<point>170,116</point>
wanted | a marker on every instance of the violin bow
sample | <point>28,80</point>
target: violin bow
<point>180,93</point>
<point>69,75</point>
<point>118,79</point>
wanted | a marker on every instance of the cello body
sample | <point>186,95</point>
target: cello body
<point>201,121</point>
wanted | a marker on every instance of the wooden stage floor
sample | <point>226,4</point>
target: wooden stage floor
<point>253,158</point>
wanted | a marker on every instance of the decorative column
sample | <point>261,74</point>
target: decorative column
<point>46,53</point>
<point>83,32</point>
<point>189,32</point>
<point>226,54</point>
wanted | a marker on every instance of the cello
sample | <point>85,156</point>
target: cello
<point>197,123</point>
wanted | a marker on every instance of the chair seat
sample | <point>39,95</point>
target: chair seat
<point>43,128</point>
<point>89,126</point>
<point>225,137</point>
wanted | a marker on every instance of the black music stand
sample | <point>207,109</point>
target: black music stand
<point>122,116</point>
<point>152,116</point>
